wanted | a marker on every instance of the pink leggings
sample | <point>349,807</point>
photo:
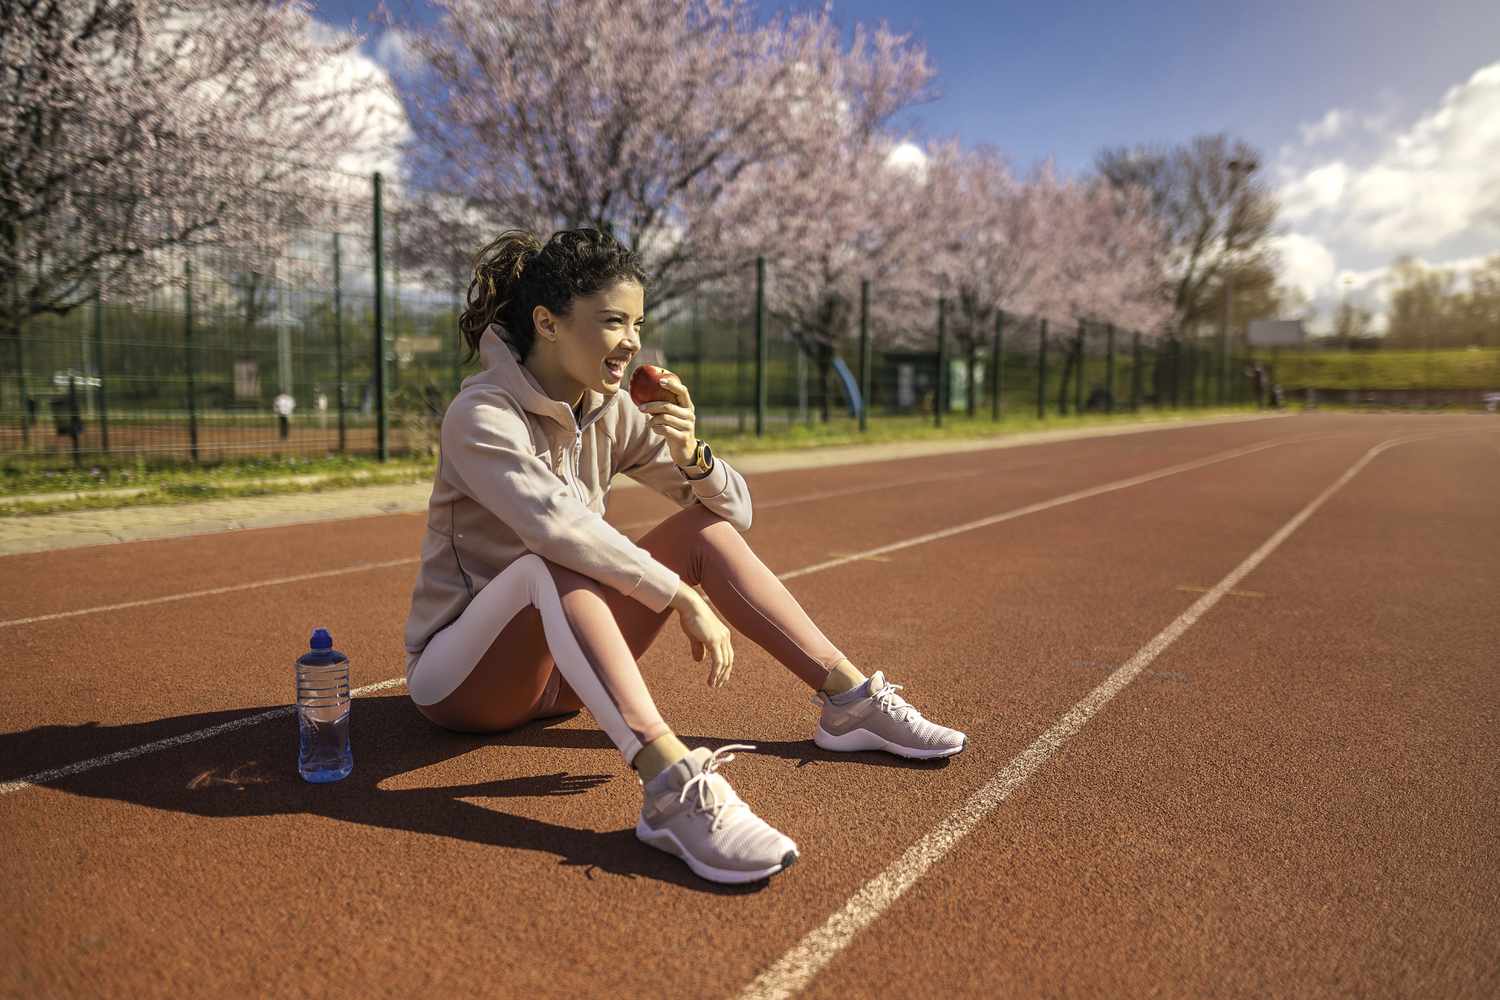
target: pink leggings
<point>541,640</point>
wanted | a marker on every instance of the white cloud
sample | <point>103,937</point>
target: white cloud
<point>1318,189</point>
<point>1306,264</point>
<point>1430,187</point>
<point>909,157</point>
<point>1325,128</point>
<point>383,121</point>
<point>395,52</point>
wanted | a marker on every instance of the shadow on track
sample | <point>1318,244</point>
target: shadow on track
<point>252,772</point>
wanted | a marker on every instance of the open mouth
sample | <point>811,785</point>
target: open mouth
<point>615,367</point>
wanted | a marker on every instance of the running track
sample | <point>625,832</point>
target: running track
<point>1231,695</point>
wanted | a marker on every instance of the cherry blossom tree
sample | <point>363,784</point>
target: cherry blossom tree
<point>661,120</point>
<point>1105,253</point>
<point>993,255</point>
<point>136,130</point>
<point>848,204</point>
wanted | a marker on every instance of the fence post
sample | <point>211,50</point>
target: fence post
<point>382,445</point>
<point>1041,372</point>
<point>75,420</point>
<point>760,346</point>
<point>99,367</point>
<point>864,353</point>
<point>1109,368</point>
<point>1078,377</point>
<point>1135,371</point>
<point>942,363</point>
<point>1176,371</point>
<point>187,346</point>
<point>338,339</point>
<point>997,363</point>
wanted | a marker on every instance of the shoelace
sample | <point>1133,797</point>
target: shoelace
<point>708,797</point>
<point>889,702</point>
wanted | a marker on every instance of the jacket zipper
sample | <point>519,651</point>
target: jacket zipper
<point>577,465</point>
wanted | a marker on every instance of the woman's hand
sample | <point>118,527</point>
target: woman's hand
<point>706,633</point>
<point>677,422</point>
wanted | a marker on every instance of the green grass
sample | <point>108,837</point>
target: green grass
<point>172,483</point>
<point>1445,369</point>
<point>18,477</point>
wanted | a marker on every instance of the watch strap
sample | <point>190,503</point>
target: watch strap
<point>703,462</point>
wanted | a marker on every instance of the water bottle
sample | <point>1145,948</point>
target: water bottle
<point>323,752</point>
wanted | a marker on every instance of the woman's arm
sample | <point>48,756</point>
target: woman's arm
<point>487,448</point>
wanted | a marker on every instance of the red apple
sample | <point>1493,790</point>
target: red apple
<point>646,387</point>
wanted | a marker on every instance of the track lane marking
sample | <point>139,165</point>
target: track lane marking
<point>20,784</point>
<point>31,780</point>
<point>211,592</point>
<point>408,560</point>
<point>798,966</point>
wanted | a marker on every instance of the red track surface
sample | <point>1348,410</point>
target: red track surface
<point>1297,797</point>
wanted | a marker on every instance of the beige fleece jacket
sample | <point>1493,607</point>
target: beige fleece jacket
<point>518,473</point>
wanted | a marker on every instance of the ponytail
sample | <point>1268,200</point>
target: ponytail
<point>497,275</point>
<point>515,273</point>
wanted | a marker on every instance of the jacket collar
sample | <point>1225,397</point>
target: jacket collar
<point>503,367</point>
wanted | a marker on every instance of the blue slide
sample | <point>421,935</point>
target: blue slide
<point>851,388</point>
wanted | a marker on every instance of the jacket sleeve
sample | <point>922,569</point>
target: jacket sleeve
<point>487,449</point>
<point>643,455</point>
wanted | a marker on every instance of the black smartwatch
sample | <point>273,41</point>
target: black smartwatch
<point>701,464</point>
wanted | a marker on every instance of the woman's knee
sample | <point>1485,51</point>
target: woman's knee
<point>573,586</point>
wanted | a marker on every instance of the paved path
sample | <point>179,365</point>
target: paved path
<point>44,532</point>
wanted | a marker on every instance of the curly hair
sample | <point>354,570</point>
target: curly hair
<point>516,272</point>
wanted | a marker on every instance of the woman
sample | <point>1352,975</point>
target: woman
<point>529,605</point>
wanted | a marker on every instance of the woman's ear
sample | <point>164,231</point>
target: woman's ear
<point>545,323</point>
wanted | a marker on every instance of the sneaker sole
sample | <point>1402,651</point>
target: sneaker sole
<point>666,840</point>
<point>862,739</point>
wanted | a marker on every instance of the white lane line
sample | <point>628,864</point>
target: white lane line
<point>828,494</point>
<point>40,777</point>
<point>1010,515</point>
<point>212,591</point>
<point>32,779</point>
<point>795,969</point>
<point>363,567</point>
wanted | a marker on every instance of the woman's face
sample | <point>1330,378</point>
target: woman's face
<point>601,335</point>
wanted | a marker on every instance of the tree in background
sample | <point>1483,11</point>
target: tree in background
<point>135,129</point>
<point>643,117</point>
<point>1430,307</point>
<point>1351,325</point>
<point>1214,218</point>
<point>994,248</point>
<point>1103,262</point>
<point>843,203</point>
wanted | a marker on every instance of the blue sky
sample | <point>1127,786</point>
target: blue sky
<point>1333,92</point>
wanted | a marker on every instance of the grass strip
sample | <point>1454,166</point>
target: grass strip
<point>111,488</point>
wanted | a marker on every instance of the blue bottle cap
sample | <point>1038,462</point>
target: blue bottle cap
<point>321,639</point>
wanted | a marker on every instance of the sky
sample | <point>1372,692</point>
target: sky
<point>1378,121</point>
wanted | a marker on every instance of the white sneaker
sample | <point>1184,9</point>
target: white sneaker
<point>691,811</point>
<point>882,720</point>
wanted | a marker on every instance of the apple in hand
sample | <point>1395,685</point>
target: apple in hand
<point>646,387</point>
